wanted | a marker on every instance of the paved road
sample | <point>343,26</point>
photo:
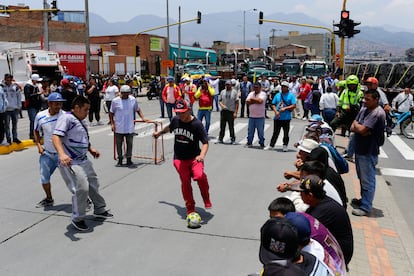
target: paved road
<point>148,235</point>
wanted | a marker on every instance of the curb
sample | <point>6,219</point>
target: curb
<point>16,147</point>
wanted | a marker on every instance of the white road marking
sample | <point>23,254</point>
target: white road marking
<point>397,172</point>
<point>402,147</point>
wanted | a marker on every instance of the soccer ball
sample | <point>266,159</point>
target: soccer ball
<point>193,220</point>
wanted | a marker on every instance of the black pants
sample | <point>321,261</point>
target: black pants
<point>277,126</point>
<point>243,105</point>
<point>226,116</point>
<point>345,119</point>
<point>2,118</point>
<point>95,109</point>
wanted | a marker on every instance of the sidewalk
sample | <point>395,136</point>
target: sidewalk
<point>383,242</point>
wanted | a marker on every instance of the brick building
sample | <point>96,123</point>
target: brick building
<point>28,27</point>
<point>120,49</point>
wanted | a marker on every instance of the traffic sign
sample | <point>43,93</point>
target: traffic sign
<point>167,63</point>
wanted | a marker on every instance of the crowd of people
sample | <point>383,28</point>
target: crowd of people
<point>309,231</point>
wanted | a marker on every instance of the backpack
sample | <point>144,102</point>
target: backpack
<point>340,162</point>
<point>205,100</point>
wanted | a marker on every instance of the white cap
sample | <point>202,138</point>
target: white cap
<point>36,77</point>
<point>285,83</point>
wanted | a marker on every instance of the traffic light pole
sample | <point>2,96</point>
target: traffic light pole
<point>157,28</point>
<point>342,50</point>
<point>309,26</point>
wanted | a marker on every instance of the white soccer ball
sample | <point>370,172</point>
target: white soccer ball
<point>193,220</point>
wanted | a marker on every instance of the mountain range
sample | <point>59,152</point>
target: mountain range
<point>228,26</point>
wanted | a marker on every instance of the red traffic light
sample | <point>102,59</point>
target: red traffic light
<point>344,15</point>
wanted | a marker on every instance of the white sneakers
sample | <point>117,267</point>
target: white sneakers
<point>285,148</point>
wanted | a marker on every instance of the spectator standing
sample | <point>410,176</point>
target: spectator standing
<point>188,157</point>
<point>68,93</point>
<point>304,90</point>
<point>205,95</point>
<point>403,102</point>
<point>282,105</point>
<point>189,89</point>
<point>245,88</point>
<point>162,103</point>
<point>294,89</point>
<point>214,82</point>
<point>48,160</point>
<point>122,114</point>
<point>265,88</point>
<point>3,105</point>
<point>13,96</point>
<point>229,103</point>
<point>34,102</point>
<point>368,127</point>
<point>256,102</point>
<point>94,97</point>
<point>111,92</point>
<point>328,104</point>
<point>170,94</point>
<point>71,141</point>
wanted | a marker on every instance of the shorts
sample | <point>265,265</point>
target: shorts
<point>48,163</point>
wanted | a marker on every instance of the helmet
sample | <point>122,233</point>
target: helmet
<point>125,89</point>
<point>372,80</point>
<point>352,79</point>
<point>341,83</point>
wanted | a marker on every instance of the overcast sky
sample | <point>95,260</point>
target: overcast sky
<point>397,13</point>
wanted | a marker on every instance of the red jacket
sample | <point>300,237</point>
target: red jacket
<point>177,93</point>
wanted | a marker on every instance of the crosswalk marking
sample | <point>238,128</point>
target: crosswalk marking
<point>382,153</point>
<point>402,147</point>
<point>397,172</point>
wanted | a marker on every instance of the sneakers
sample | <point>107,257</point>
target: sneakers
<point>129,162</point>
<point>233,141</point>
<point>119,164</point>
<point>80,225</point>
<point>220,141</point>
<point>208,205</point>
<point>348,158</point>
<point>45,202</point>
<point>17,141</point>
<point>359,212</point>
<point>9,141</point>
<point>4,143</point>
<point>99,123</point>
<point>269,148</point>
<point>248,145</point>
<point>104,215</point>
<point>285,148</point>
<point>262,146</point>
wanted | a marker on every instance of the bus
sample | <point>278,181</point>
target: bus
<point>314,68</point>
<point>291,67</point>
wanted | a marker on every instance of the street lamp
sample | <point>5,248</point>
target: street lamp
<point>244,30</point>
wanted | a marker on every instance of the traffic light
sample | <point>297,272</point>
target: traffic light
<point>343,25</point>
<point>99,52</point>
<point>350,31</point>
<point>54,7</point>
<point>137,49</point>
<point>260,17</point>
<point>199,17</point>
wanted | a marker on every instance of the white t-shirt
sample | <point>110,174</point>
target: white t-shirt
<point>110,92</point>
<point>215,85</point>
<point>124,110</point>
<point>45,123</point>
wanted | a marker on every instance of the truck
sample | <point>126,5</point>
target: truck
<point>22,63</point>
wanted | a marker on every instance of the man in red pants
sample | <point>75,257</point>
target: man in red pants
<point>188,157</point>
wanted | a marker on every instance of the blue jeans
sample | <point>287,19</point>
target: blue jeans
<point>350,151</point>
<point>162,106</point>
<point>256,124</point>
<point>203,113</point>
<point>170,108</point>
<point>216,99</point>
<point>365,167</point>
<point>32,115</point>
<point>13,115</point>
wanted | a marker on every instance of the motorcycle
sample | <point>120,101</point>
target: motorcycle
<point>154,90</point>
<point>406,122</point>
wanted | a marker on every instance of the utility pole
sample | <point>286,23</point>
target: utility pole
<point>273,43</point>
<point>87,42</point>
<point>45,25</point>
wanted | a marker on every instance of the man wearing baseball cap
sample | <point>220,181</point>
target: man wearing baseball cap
<point>34,102</point>
<point>282,105</point>
<point>45,122</point>
<point>188,157</point>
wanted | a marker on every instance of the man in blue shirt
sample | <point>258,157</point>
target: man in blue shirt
<point>282,105</point>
